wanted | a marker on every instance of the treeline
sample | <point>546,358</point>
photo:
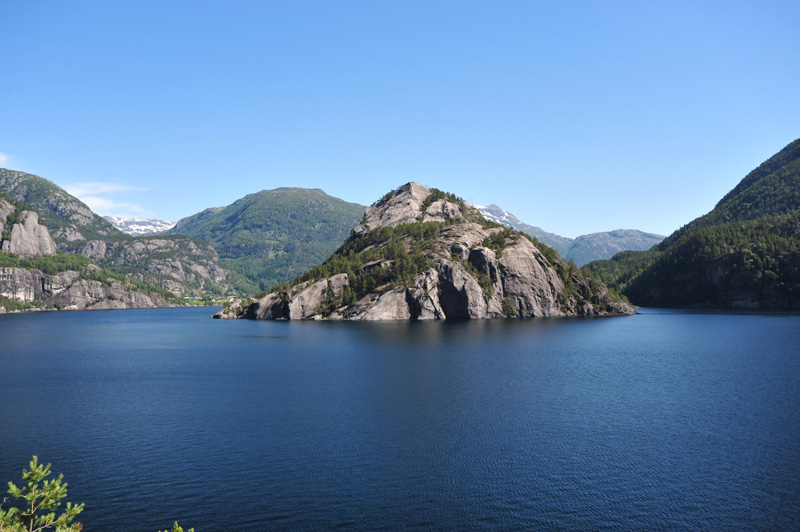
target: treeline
<point>738,263</point>
<point>49,264</point>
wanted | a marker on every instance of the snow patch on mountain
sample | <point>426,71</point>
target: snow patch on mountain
<point>140,226</point>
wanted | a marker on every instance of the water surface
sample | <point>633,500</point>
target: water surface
<point>662,421</point>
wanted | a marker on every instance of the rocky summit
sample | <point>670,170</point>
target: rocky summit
<point>420,253</point>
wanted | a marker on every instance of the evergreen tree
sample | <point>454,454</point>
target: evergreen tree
<point>40,503</point>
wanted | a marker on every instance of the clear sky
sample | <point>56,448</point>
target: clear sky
<point>576,116</point>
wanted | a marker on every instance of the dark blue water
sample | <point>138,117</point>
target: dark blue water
<point>663,421</point>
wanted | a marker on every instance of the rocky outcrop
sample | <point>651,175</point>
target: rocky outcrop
<point>29,238</point>
<point>5,209</point>
<point>70,291</point>
<point>175,263</point>
<point>407,205</point>
<point>463,268</point>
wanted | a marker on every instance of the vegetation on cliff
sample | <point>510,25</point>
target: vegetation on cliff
<point>175,263</point>
<point>422,253</point>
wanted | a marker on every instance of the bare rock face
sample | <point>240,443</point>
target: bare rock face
<point>67,290</point>
<point>393,210</point>
<point>5,209</point>
<point>529,281</point>
<point>423,299</point>
<point>176,261</point>
<point>303,302</point>
<point>465,268</point>
<point>29,238</point>
<point>381,306</point>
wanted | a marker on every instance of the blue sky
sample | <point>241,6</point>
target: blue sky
<point>577,117</point>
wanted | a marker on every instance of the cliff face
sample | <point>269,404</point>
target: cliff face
<point>28,237</point>
<point>68,291</point>
<point>175,263</point>
<point>179,263</point>
<point>422,254</point>
<point>24,237</point>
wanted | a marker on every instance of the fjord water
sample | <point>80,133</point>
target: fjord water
<point>662,421</point>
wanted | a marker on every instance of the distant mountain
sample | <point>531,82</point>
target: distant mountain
<point>583,249</point>
<point>177,264</point>
<point>498,215</point>
<point>598,246</point>
<point>423,254</point>
<point>744,253</point>
<point>272,236</point>
<point>140,226</point>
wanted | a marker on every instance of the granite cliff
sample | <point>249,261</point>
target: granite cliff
<point>180,264</point>
<point>71,282</point>
<point>73,290</point>
<point>26,237</point>
<point>419,254</point>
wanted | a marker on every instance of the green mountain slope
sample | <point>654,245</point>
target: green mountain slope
<point>272,236</point>
<point>772,189</point>
<point>744,253</point>
<point>68,219</point>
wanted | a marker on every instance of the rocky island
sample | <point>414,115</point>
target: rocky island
<point>423,254</point>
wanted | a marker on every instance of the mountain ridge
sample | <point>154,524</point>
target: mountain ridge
<point>583,248</point>
<point>269,237</point>
<point>744,253</point>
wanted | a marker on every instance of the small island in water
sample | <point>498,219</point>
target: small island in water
<point>423,254</point>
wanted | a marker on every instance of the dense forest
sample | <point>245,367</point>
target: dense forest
<point>744,253</point>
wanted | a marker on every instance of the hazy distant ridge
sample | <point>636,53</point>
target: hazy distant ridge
<point>583,249</point>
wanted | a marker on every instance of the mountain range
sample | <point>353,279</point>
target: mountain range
<point>582,249</point>
<point>744,253</point>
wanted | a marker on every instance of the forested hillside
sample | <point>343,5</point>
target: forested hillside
<point>274,235</point>
<point>744,253</point>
